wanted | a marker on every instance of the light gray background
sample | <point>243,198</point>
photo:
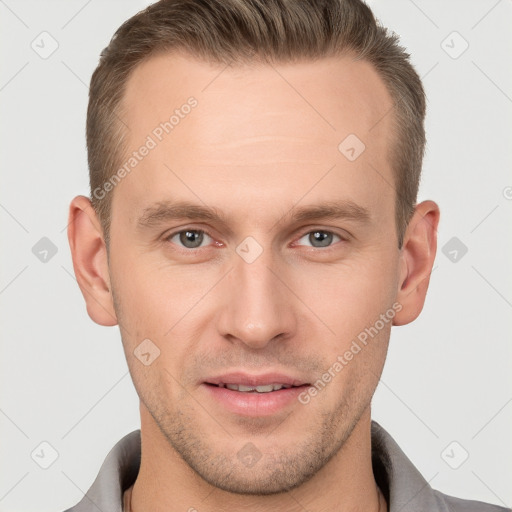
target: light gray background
<point>65,379</point>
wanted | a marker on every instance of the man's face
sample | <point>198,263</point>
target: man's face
<point>259,146</point>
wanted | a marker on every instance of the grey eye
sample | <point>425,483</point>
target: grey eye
<point>189,238</point>
<point>320,238</point>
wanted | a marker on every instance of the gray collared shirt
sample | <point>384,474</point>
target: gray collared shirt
<point>403,486</point>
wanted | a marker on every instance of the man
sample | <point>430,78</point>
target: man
<point>253,230</point>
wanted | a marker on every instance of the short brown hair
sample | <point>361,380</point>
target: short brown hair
<point>239,31</point>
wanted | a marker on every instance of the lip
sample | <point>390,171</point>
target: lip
<point>255,380</point>
<point>254,404</point>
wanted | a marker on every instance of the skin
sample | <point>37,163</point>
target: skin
<point>262,141</point>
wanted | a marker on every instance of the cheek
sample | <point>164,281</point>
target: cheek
<point>159,310</point>
<point>351,295</point>
<point>152,297</point>
<point>350,299</point>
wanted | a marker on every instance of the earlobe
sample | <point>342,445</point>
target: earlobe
<point>416,261</point>
<point>90,264</point>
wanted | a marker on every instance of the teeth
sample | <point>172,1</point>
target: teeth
<point>260,389</point>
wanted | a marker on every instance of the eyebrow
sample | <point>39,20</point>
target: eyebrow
<point>165,211</point>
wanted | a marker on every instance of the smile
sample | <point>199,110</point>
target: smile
<point>259,389</point>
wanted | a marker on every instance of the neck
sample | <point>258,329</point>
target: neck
<point>165,482</point>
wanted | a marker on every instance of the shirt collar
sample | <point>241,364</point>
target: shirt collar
<point>403,486</point>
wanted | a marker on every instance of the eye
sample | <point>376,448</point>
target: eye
<point>195,238</point>
<point>188,238</point>
<point>320,238</point>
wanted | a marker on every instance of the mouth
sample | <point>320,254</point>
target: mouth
<point>255,395</point>
<point>247,383</point>
<point>265,388</point>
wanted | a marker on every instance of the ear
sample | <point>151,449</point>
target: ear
<point>416,260</point>
<point>90,263</point>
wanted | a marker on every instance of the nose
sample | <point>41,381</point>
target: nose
<point>259,304</point>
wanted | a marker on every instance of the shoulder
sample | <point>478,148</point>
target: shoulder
<point>451,504</point>
<point>406,490</point>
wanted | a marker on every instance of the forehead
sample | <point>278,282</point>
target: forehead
<point>259,127</point>
<point>332,93</point>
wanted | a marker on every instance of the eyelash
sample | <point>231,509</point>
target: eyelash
<point>185,249</point>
